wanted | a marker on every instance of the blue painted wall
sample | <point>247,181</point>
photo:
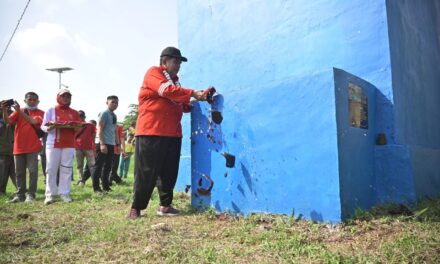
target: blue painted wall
<point>355,146</point>
<point>272,62</point>
<point>184,177</point>
<point>414,30</point>
<point>274,67</point>
<point>394,178</point>
<point>275,149</point>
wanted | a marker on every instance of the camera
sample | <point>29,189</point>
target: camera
<point>8,103</point>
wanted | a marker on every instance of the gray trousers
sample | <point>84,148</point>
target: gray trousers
<point>7,170</point>
<point>90,156</point>
<point>29,161</point>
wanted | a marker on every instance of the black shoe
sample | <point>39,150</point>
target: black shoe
<point>116,179</point>
<point>107,189</point>
<point>121,182</point>
<point>98,191</point>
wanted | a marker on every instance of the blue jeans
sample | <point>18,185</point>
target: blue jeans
<point>124,165</point>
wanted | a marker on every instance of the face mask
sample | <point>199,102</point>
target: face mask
<point>31,107</point>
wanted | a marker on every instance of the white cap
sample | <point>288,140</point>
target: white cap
<point>63,91</point>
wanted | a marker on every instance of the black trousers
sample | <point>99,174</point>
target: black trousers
<point>102,168</point>
<point>114,171</point>
<point>7,170</point>
<point>156,163</point>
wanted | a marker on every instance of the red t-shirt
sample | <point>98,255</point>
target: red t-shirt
<point>25,137</point>
<point>119,131</point>
<point>161,105</point>
<point>84,139</point>
<point>65,137</point>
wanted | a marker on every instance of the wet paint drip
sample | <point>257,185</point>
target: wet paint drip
<point>230,159</point>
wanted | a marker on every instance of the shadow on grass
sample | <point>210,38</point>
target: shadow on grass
<point>427,210</point>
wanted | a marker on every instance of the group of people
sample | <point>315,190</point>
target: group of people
<point>157,137</point>
<point>57,135</point>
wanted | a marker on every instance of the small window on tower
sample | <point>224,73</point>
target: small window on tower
<point>357,106</point>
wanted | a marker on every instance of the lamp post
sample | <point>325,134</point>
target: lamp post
<point>60,70</point>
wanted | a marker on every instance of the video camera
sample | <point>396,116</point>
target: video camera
<point>8,103</point>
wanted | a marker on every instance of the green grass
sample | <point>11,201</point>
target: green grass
<point>94,229</point>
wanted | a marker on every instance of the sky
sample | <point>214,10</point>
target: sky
<point>109,43</point>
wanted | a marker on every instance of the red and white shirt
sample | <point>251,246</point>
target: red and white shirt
<point>60,137</point>
<point>25,137</point>
<point>161,104</point>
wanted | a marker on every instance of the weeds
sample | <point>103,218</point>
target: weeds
<point>94,229</point>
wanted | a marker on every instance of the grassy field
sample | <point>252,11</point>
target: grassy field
<point>93,229</point>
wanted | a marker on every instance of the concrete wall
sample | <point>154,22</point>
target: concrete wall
<point>414,30</point>
<point>278,166</point>
<point>394,175</point>
<point>184,177</point>
<point>355,146</point>
<point>273,63</point>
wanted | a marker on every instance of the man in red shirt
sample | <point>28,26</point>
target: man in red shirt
<point>84,147</point>
<point>162,102</point>
<point>27,145</point>
<point>60,146</point>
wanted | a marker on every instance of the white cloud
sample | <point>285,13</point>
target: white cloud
<point>51,44</point>
<point>44,60</point>
<point>43,35</point>
<point>84,45</point>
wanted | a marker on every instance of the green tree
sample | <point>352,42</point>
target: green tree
<point>131,117</point>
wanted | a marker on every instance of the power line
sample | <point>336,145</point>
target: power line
<point>13,33</point>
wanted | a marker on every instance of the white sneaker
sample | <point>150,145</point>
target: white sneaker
<point>30,199</point>
<point>49,200</point>
<point>66,198</point>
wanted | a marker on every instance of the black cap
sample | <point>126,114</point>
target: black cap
<point>173,52</point>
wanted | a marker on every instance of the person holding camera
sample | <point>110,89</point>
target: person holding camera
<point>7,167</point>
<point>27,144</point>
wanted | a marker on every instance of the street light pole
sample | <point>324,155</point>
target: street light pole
<point>60,70</point>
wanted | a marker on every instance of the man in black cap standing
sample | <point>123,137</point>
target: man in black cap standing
<point>162,102</point>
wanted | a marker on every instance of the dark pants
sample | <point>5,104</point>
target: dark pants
<point>86,174</point>
<point>7,170</point>
<point>43,164</point>
<point>102,168</point>
<point>43,156</point>
<point>156,163</point>
<point>114,172</point>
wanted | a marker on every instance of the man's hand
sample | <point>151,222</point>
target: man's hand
<point>103,148</point>
<point>16,106</point>
<point>198,95</point>
<point>50,126</point>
